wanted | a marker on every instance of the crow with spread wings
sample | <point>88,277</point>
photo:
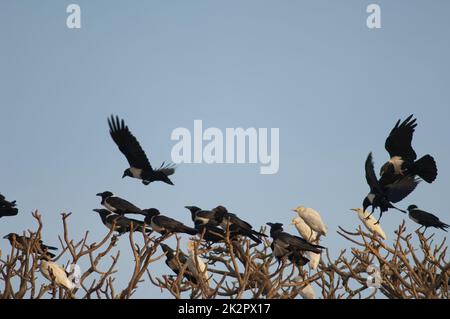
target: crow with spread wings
<point>383,193</point>
<point>403,160</point>
<point>140,167</point>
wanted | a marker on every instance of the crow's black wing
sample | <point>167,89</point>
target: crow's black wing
<point>123,206</point>
<point>128,144</point>
<point>371,178</point>
<point>399,140</point>
<point>401,188</point>
<point>423,217</point>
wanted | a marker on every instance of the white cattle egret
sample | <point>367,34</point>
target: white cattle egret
<point>307,292</point>
<point>53,271</point>
<point>370,222</point>
<point>314,260</point>
<point>312,219</point>
<point>197,268</point>
<point>303,229</point>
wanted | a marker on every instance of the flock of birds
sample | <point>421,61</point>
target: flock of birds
<point>399,177</point>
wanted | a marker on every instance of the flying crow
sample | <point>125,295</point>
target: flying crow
<point>382,193</point>
<point>425,219</point>
<point>7,208</point>
<point>140,167</point>
<point>290,246</point>
<point>403,157</point>
<point>36,246</point>
<point>118,205</point>
<point>122,223</point>
<point>177,261</point>
<point>164,225</point>
<point>236,225</point>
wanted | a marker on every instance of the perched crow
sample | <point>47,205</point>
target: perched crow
<point>22,243</point>
<point>203,217</point>
<point>212,233</point>
<point>118,205</point>
<point>290,246</point>
<point>164,225</point>
<point>140,167</point>
<point>122,223</point>
<point>425,219</point>
<point>177,261</point>
<point>403,157</point>
<point>236,225</point>
<point>7,208</point>
<point>381,195</point>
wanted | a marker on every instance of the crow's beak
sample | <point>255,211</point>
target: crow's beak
<point>5,237</point>
<point>124,175</point>
<point>97,210</point>
<point>269,224</point>
<point>98,194</point>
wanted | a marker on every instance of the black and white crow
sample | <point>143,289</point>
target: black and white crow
<point>177,261</point>
<point>140,167</point>
<point>7,208</point>
<point>203,217</point>
<point>425,219</point>
<point>382,195</point>
<point>285,245</point>
<point>165,225</point>
<point>236,225</point>
<point>403,157</point>
<point>122,223</point>
<point>118,205</point>
<point>37,246</point>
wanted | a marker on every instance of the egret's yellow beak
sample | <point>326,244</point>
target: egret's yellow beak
<point>354,209</point>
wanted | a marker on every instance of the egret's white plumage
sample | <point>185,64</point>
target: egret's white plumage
<point>314,260</point>
<point>312,219</point>
<point>304,230</point>
<point>370,223</point>
<point>58,273</point>
<point>307,292</point>
<point>192,265</point>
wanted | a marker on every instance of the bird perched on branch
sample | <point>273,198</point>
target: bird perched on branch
<point>236,225</point>
<point>7,208</point>
<point>195,264</point>
<point>140,167</point>
<point>203,217</point>
<point>312,219</point>
<point>383,193</point>
<point>285,245</point>
<point>53,271</point>
<point>425,219</point>
<point>177,261</point>
<point>370,222</point>
<point>311,236</point>
<point>403,160</point>
<point>165,225</point>
<point>24,243</point>
<point>118,205</point>
<point>121,223</point>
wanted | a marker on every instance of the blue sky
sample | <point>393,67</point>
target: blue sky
<point>311,68</point>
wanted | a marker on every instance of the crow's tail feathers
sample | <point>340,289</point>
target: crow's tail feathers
<point>425,168</point>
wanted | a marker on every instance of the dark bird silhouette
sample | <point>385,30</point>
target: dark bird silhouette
<point>140,167</point>
<point>165,225</point>
<point>425,219</point>
<point>403,157</point>
<point>118,205</point>
<point>7,208</point>
<point>203,217</point>
<point>285,245</point>
<point>382,195</point>
<point>122,224</point>
<point>213,234</point>
<point>36,246</point>
<point>177,262</point>
<point>236,225</point>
